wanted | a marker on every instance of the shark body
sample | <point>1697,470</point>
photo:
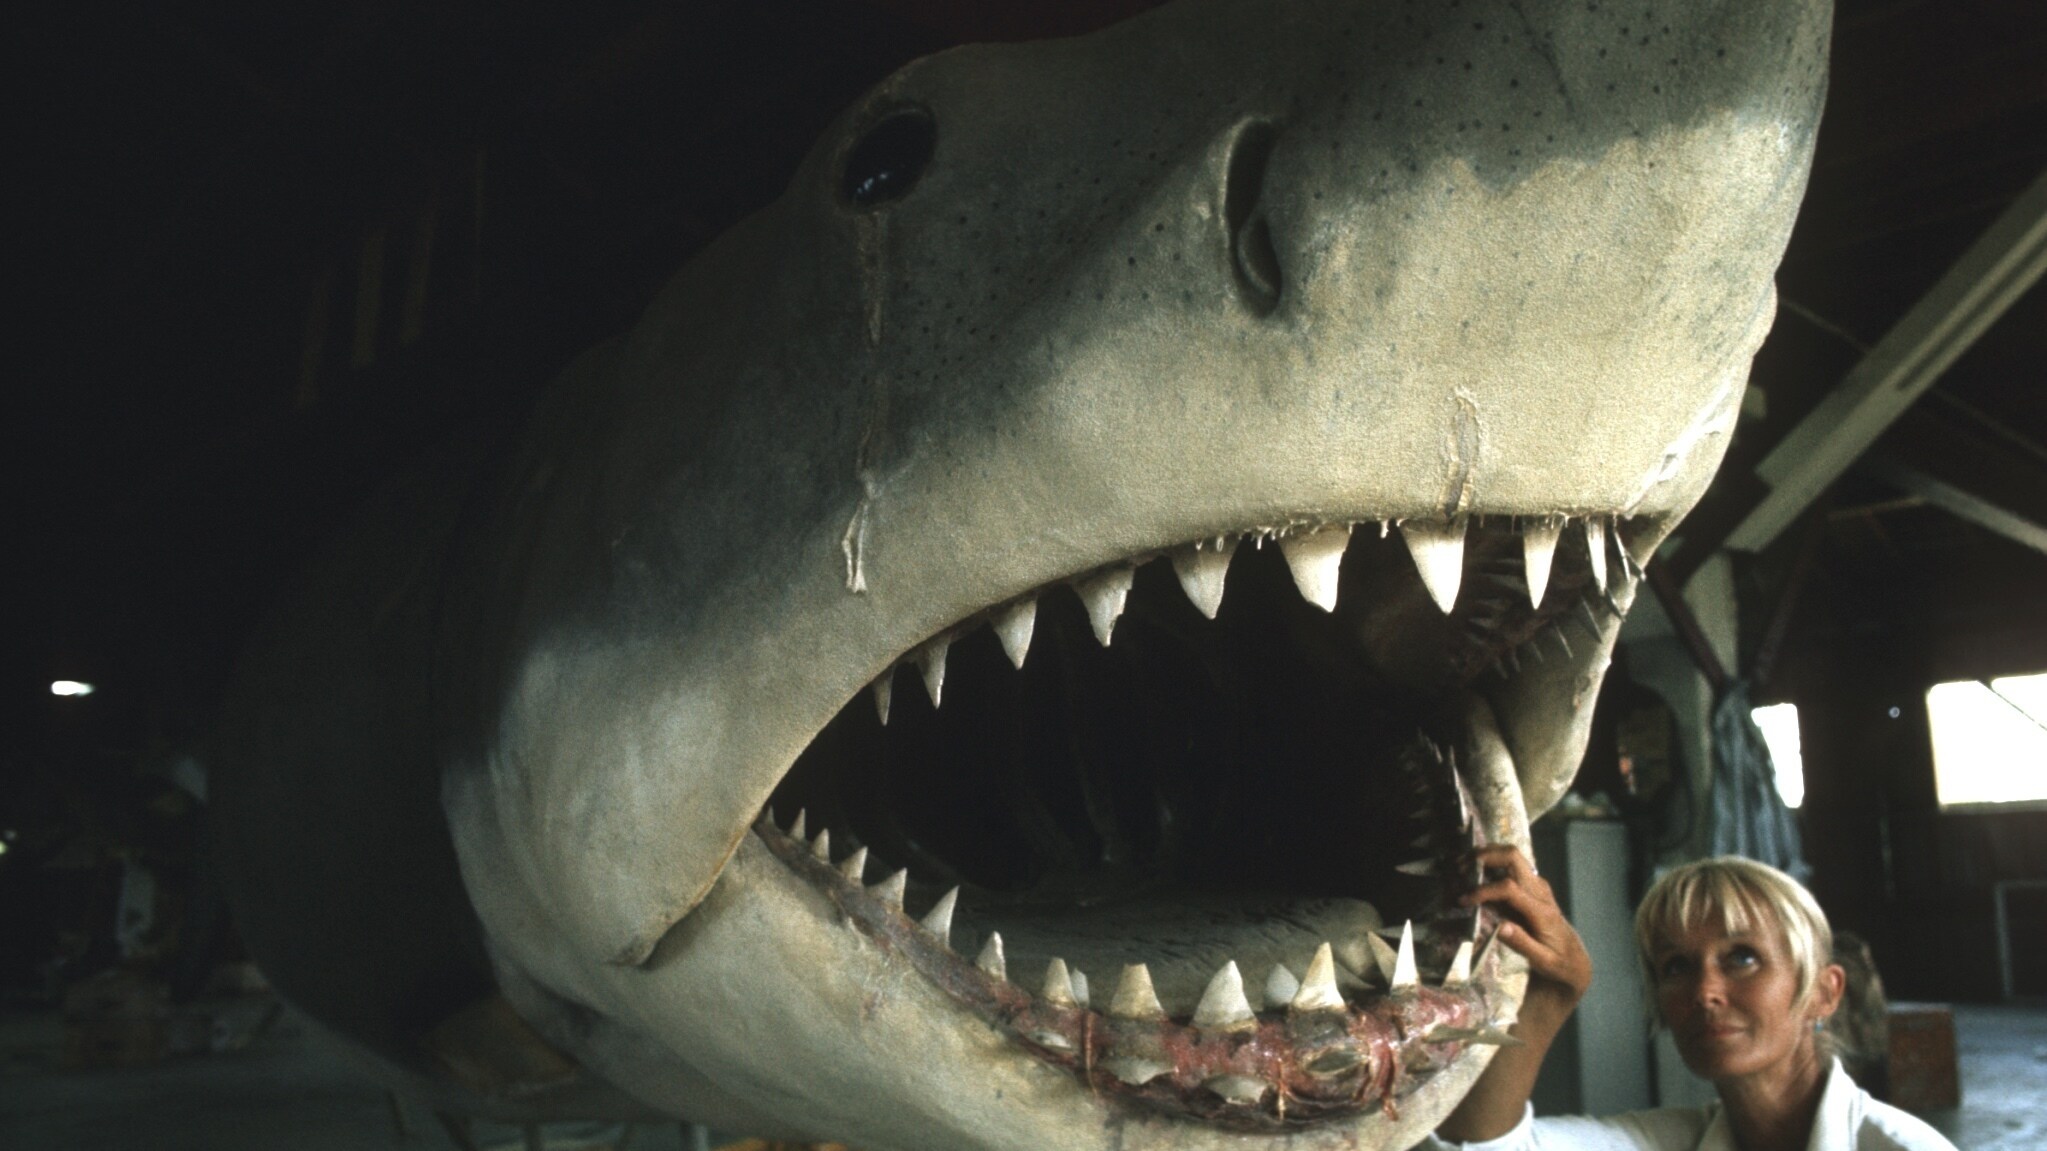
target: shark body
<point>1397,336</point>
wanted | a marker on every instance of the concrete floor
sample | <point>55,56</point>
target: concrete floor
<point>287,1093</point>
<point>284,1092</point>
<point>2003,1053</point>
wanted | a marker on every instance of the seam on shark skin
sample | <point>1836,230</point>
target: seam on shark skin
<point>854,542</point>
<point>1465,440</point>
<point>1716,415</point>
<point>1547,48</point>
<point>872,234</point>
<point>871,237</point>
<point>1710,421</point>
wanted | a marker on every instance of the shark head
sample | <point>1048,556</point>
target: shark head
<point>1020,644</point>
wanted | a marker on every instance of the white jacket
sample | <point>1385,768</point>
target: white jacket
<point>1848,1120</point>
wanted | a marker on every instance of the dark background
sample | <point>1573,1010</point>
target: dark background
<point>263,254</point>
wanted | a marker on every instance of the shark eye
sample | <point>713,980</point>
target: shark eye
<point>884,164</point>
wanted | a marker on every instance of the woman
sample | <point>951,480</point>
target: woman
<point>1737,957</point>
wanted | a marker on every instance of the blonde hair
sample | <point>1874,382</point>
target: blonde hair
<point>1740,895</point>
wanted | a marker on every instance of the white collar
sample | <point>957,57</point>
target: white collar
<point>1833,1127</point>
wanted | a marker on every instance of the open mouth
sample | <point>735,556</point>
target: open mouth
<point>1206,850</point>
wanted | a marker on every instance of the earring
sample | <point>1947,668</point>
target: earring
<point>1818,1025</point>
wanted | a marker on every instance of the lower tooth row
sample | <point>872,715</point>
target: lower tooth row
<point>1224,1004</point>
<point>1314,556</point>
<point>1225,1007</point>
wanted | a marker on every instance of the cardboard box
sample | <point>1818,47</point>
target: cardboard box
<point>1924,1075</point>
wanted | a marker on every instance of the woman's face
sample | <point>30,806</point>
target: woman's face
<point>1727,1000</point>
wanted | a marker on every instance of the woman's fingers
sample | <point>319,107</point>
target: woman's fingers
<point>1532,924</point>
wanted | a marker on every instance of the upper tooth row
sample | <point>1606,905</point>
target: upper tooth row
<point>1314,556</point>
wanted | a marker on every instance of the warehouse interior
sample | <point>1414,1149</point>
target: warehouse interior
<point>267,256</point>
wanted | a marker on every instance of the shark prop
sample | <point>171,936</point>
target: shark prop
<point>1248,422</point>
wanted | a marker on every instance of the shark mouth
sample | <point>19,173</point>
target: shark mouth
<point>1207,854</point>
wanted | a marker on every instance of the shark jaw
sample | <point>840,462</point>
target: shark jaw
<point>1214,873</point>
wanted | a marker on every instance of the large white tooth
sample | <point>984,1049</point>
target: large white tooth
<point>1538,548</point>
<point>931,661</point>
<point>1238,1088</point>
<point>890,890</point>
<point>1104,594</point>
<point>1013,626</point>
<point>938,921</point>
<point>1135,998</point>
<point>1050,1040</point>
<point>855,866</point>
<point>990,961</point>
<point>796,829</point>
<point>1135,1070</point>
<point>1438,551</point>
<point>1079,980</point>
<point>1314,558</point>
<point>821,847</point>
<point>884,690</point>
<point>1460,967</point>
<point>1318,987</point>
<point>1223,1006</point>
<point>1201,571</point>
<point>1058,985</point>
<point>1280,987</point>
<point>1384,958</point>
<point>1595,546</point>
<point>1404,973</point>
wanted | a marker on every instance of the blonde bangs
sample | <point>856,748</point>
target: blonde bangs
<point>1739,896</point>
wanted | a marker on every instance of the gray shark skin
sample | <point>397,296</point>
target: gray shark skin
<point>1401,334</point>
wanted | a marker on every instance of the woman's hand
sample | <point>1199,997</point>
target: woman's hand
<point>1559,973</point>
<point>1559,968</point>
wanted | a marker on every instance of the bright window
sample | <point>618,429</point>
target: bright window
<point>1990,740</point>
<point>1779,722</point>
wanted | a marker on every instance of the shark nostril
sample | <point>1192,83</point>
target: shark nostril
<point>1253,261</point>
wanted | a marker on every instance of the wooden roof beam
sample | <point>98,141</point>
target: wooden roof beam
<point>1998,268</point>
<point>1991,484</point>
